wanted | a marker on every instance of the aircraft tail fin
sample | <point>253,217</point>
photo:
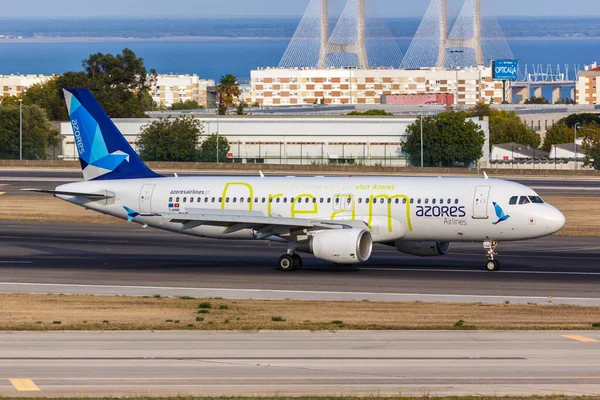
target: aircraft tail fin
<point>103,151</point>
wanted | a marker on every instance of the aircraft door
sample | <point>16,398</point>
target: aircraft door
<point>480,202</point>
<point>348,202</point>
<point>146,198</point>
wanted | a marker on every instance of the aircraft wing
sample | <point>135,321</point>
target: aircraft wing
<point>264,225</point>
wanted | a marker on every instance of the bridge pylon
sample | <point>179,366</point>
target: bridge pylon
<point>448,42</point>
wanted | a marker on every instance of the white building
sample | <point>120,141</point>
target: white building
<point>16,85</point>
<point>294,140</point>
<point>510,152</point>
<point>588,88</point>
<point>284,87</point>
<point>170,89</point>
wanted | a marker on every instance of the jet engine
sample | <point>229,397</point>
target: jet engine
<point>341,246</point>
<point>423,249</point>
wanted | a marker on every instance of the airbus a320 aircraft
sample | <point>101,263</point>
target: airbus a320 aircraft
<point>336,219</point>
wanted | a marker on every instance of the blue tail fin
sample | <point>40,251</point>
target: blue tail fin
<point>103,151</point>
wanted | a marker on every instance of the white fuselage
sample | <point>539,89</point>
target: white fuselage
<point>411,209</point>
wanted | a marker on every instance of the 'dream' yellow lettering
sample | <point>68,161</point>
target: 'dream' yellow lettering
<point>343,208</point>
<point>250,193</point>
<point>389,209</point>
<point>271,198</point>
<point>295,212</point>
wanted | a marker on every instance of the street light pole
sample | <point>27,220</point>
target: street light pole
<point>21,129</point>
<point>421,140</point>
<point>577,125</point>
<point>218,111</point>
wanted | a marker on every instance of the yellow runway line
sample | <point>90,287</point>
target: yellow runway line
<point>24,385</point>
<point>580,338</point>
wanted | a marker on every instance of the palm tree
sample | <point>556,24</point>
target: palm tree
<point>228,91</point>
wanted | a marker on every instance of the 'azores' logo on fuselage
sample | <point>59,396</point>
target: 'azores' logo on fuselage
<point>500,214</point>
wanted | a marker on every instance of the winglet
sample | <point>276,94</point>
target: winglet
<point>485,175</point>
<point>262,176</point>
<point>131,214</point>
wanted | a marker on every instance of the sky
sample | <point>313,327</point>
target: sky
<point>268,8</point>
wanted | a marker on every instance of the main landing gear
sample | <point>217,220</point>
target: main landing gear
<point>492,265</point>
<point>290,262</point>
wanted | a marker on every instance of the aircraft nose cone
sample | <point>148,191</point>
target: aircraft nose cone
<point>555,220</point>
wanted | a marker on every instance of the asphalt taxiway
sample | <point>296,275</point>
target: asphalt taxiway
<point>127,259</point>
<point>299,363</point>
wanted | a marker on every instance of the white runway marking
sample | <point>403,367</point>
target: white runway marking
<point>482,271</point>
<point>279,294</point>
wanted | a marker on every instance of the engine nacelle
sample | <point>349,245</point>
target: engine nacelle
<point>423,249</point>
<point>341,246</point>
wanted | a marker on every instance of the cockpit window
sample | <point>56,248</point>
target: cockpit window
<point>536,199</point>
<point>524,200</point>
<point>513,200</point>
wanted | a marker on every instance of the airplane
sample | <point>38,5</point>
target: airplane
<point>337,219</point>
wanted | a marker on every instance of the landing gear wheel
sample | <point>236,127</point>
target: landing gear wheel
<point>493,265</point>
<point>287,263</point>
<point>297,262</point>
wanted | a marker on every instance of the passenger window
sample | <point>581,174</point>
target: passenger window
<point>426,201</point>
<point>455,201</point>
<point>205,199</point>
<point>278,200</point>
<point>213,200</point>
<point>241,199</point>
<point>328,200</point>
<point>235,199</point>
<point>433,201</point>
<point>513,200</point>
<point>185,199</point>
<point>314,199</point>
<point>191,199</point>
<point>412,201</point>
<point>270,199</point>
<point>337,200</point>
<point>382,201</point>
<point>419,201</point>
<point>170,199</point>
<point>397,201</point>
<point>256,200</point>
<point>321,200</point>
<point>227,200</point>
<point>524,200</point>
<point>404,201</point>
<point>220,199</point>
<point>285,199</point>
<point>307,200</point>
<point>360,201</point>
<point>264,199</point>
<point>177,200</point>
<point>367,201</point>
<point>292,200</point>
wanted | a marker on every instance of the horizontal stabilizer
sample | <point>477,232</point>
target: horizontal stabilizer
<point>95,196</point>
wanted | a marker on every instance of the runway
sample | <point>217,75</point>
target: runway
<point>13,180</point>
<point>299,363</point>
<point>126,259</point>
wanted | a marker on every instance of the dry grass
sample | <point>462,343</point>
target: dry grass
<point>74,312</point>
<point>583,213</point>
<point>378,397</point>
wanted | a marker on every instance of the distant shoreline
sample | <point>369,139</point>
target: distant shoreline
<point>101,39</point>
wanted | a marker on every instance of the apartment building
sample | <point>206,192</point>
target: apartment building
<point>284,87</point>
<point>588,90</point>
<point>169,89</point>
<point>16,85</point>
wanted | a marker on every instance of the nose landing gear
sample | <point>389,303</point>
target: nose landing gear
<point>492,265</point>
